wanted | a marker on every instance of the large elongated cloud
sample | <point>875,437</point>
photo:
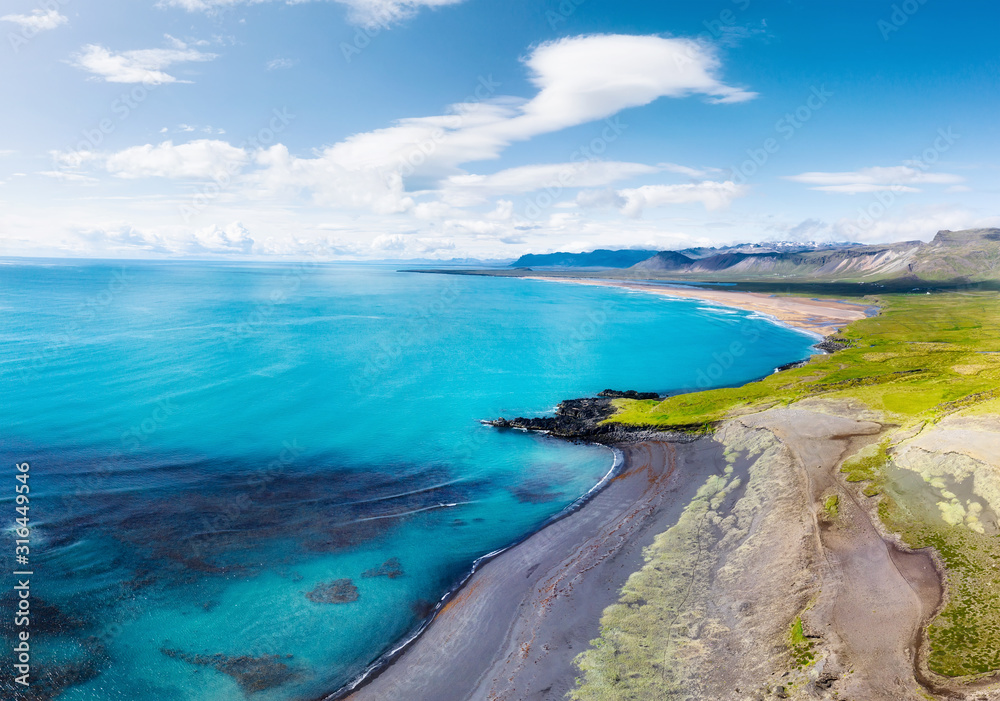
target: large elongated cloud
<point>875,179</point>
<point>579,80</point>
<point>380,12</point>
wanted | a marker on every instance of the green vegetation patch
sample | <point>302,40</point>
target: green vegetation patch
<point>924,356</point>
<point>965,637</point>
<point>831,506</point>
<point>868,465</point>
<point>799,645</point>
<point>641,651</point>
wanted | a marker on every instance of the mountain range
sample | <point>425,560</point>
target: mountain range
<point>972,254</point>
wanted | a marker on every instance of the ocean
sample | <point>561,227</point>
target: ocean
<point>251,481</point>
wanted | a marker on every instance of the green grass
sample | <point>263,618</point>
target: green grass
<point>923,358</point>
<point>831,506</point>
<point>799,645</point>
<point>915,361</point>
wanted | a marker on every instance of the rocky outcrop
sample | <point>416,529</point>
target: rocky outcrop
<point>586,420</point>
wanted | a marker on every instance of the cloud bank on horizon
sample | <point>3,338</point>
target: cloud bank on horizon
<point>543,138</point>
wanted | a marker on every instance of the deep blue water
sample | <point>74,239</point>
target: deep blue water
<point>251,481</point>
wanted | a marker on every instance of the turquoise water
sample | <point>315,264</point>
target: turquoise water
<point>252,481</point>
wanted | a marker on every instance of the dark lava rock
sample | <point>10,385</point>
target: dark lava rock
<point>790,366</point>
<point>832,345</point>
<point>630,394</point>
<point>581,419</point>
<point>391,568</point>
<point>251,673</point>
<point>339,591</point>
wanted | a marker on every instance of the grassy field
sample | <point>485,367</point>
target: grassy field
<point>923,358</point>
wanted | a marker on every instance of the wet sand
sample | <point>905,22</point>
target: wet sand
<point>512,632</point>
<point>820,316</point>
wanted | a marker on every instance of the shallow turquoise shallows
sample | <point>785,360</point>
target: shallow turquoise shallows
<point>251,481</point>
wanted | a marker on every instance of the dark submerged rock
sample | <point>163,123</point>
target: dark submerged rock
<point>339,591</point>
<point>391,568</point>
<point>252,674</point>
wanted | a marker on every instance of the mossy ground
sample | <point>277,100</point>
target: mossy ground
<point>801,647</point>
<point>923,358</point>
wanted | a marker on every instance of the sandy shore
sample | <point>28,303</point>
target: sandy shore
<point>512,632</point>
<point>820,316</point>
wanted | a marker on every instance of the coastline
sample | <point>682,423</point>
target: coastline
<point>524,626</point>
<point>419,668</point>
<point>512,629</point>
<point>821,317</point>
<point>387,659</point>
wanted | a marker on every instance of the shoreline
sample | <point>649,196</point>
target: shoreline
<point>819,317</point>
<point>848,312</point>
<point>386,660</point>
<point>468,632</point>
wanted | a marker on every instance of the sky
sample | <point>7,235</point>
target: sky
<point>401,129</point>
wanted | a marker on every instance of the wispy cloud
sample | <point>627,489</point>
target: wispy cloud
<point>140,66</point>
<point>633,202</point>
<point>578,80</point>
<point>38,20</point>
<point>277,64</point>
<point>876,179</point>
<point>380,12</point>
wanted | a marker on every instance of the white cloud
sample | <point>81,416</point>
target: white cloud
<point>69,176</point>
<point>141,66</point>
<point>912,223</point>
<point>233,238</point>
<point>876,179</point>
<point>277,64</point>
<point>202,159</point>
<point>377,12</point>
<point>579,80</point>
<point>38,20</point>
<point>632,202</point>
<point>473,189</point>
<point>389,242</point>
<point>685,170</point>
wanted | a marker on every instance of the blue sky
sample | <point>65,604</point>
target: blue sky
<point>372,129</point>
